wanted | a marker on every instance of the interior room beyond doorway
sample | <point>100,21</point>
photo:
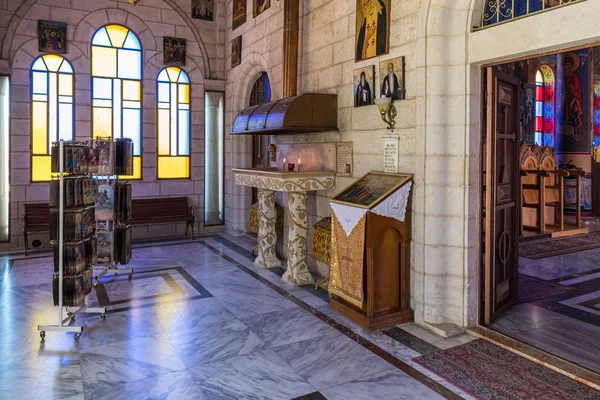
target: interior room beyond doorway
<point>550,297</point>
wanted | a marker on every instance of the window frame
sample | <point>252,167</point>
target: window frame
<point>158,156</point>
<point>224,169</point>
<point>485,24</point>
<point>141,80</point>
<point>31,94</point>
<point>8,151</point>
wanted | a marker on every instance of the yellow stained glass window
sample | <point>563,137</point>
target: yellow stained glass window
<point>173,167</point>
<point>164,121</point>
<point>131,90</point>
<point>173,97</point>
<point>53,62</point>
<point>65,85</point>
<point>117,34</point>
<point>137,170</point>
<point>104,62</point>
<point>102,121</point>
<point>52,112</point>
<point>39,139</point>
<point>184,94</point>
<point>117,88</point>
<point>40,168</point>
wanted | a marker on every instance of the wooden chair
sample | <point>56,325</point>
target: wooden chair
<point>554,190</point>
<point>543,191</point>
<point>532,195</point>
<point>577,186</point>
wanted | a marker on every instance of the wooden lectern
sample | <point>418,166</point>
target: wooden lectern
<point>369,271</point>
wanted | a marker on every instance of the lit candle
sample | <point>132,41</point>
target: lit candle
<point>298,165</point>
<point>284,165</point>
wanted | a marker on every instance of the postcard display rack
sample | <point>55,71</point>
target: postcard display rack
<point>73,202</point>
<point>113,207</point>
<point>73,237</point>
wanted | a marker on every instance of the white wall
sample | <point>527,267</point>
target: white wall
<point>327,34</point>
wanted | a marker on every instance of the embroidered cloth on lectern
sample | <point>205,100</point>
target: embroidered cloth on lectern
<point>347,250</point>
<point>395,205</point>
<point>348,216</point>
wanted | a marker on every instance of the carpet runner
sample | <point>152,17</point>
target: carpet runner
<point>533,289</point>
<point>558,246</point>
<point>489,372</point>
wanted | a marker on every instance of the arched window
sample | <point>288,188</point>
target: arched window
<point>117,88</point>
<point>173,95</point>
<point>52,87</point>
<point>544,106</point>
<point>261,91</point>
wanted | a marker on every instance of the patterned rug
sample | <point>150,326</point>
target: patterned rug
<point>533,289</point>
<point>554,247</point>
<point>489,372</point>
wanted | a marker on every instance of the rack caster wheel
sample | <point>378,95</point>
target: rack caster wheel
<point>77,336</point>
<point>103,316</point>
<point>130,276</point>
<point>43,335</point>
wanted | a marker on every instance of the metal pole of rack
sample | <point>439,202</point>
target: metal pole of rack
<point>61,208</point>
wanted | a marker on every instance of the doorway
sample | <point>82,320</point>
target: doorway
<point>541,203</point>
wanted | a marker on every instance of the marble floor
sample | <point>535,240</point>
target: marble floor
<point>566,325</point>
<point>199,321</point>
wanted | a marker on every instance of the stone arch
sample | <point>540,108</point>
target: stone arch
<point>191,69</point>
<point>110,15</point>
<point>12,27</point>
<point>245,76</point>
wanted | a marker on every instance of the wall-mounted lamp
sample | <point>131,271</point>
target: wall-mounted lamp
<point>134,2</point>
<point>387,110</point>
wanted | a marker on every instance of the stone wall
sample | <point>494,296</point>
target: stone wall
<point>326,64</point>
<point>150,21</point>
<point>438,123</point>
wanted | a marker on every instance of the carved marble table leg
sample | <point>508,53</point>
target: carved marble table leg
<point>297,269</point>
<point>267,235</point>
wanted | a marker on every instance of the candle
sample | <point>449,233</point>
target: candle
<point>283,168</point>
<point>298,165</point>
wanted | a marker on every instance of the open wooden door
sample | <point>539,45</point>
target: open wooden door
<point>502,193</point>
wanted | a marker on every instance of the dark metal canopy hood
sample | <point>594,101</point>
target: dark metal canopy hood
<point>305,113</point>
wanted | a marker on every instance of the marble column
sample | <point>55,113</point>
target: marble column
<point>267,235</point>
<point>297,269</point>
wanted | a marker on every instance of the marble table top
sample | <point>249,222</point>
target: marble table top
<point>274,179</point>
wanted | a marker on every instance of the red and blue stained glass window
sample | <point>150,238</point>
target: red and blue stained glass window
<point>544,106</point>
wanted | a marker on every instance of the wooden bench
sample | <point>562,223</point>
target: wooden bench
<point>163,209</point>
<point>37,219</point>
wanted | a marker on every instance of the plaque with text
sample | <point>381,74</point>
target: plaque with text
<point>390,154</point>
<point>345,164</point>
